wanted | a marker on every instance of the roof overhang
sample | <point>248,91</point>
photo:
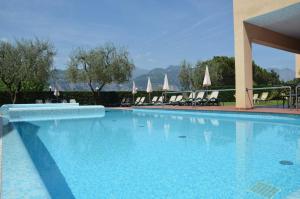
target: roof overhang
<point>285,21</point>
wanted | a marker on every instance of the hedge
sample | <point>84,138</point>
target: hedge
<point>112,98</point>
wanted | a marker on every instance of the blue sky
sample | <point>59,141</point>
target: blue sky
<point>157,33</point>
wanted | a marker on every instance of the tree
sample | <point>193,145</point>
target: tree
<point>100,66</point>
<point>222,73</point>
<point>25,65</point>
<point>185,75</point>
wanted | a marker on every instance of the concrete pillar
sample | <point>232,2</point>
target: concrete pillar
<point>297,66</point>
<point>243,66</point>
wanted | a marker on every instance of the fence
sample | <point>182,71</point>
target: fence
<point>273,88</point>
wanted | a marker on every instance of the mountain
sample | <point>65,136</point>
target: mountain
<point>285,74</point>
<point>157,78</point>
<point>139,71</point>
<point>139,75</point>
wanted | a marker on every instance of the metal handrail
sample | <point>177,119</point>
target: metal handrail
<point>296,91</point>
<point>220,90</point>
<point>232,89</point>
<point>274,88</point>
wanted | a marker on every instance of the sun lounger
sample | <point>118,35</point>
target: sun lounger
<point>178,100</point>
<point>263,97</point>
<point>172,99</point>
<point>72,101</point>
<point>38,101</point>
<point>141,102</point>
<point>190,99</point>
<point>255,98</point>
<point>137,101</point>
<point>160,100</point>
<point>125,102</point>
<point>48,101</point>
<point>199,98</point>
<point>154,100</point>
<point>213,98</point>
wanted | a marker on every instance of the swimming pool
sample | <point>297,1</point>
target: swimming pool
<point>153,154</point>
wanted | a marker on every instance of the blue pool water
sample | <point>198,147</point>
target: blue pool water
<point>155,154</point>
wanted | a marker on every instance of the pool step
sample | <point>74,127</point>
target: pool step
<point>294,195</point>
<point>264,190</point>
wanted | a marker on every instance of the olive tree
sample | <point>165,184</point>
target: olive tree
<point>25,65</point>
<point>185,75</point>
<point>100,66</point>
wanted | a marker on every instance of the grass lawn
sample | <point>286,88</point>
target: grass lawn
<point>268,103</point>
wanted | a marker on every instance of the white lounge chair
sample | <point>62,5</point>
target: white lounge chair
<point>199,98</point>
<point>263,97</point>
<point>154,99</point>
<point>172,99</point>
<point>48,101</point>
<point>160,100</point>
<point>137,101</point>
<point>141,102</point>
<point>255,97</point>
<point>178,100</point>
<point>72,101</point>
<point>38,101</point>
<point>213,98</point>
<point>190,99</point>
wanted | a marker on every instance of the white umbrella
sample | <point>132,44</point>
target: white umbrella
<point>166,83</point>
<point>206,81</point>
<point>134,90</point>
<point>149,87</point>
<point>56,92</point>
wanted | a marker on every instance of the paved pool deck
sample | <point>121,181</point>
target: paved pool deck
<point>218,108</point>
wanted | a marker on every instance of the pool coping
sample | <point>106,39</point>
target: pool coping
<point>215,109</point>
<point>1,149</point>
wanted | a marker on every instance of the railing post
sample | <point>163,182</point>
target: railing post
<point>297,87</point>
<point>290,98</point>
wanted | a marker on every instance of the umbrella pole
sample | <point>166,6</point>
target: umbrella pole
<point>149,98</point>
<point>132,98</point>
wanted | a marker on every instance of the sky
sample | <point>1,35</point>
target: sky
<point>157,33</point>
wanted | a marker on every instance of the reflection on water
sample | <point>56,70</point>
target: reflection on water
<point>207,137</point>
<point>298,152</point>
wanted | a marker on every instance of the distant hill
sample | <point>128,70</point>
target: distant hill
<point>139,75</point>
<point>157,78</point>
<point>285,74</point>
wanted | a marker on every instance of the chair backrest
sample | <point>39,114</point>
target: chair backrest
<point>72,101</point>
<point>123,100</point>
<point>142,100</point>
<point>214,94</point>
<point>137,100</point>
<point>154,99</point>
<point>264,95</point>
<point>172,98</point>
<point>38,101</point>
<point>160,99</point>
<point>200,95</point>
<point>255,96</point>
<point>47,101</point>
<point>192,95</point>
<point>178,98</point>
